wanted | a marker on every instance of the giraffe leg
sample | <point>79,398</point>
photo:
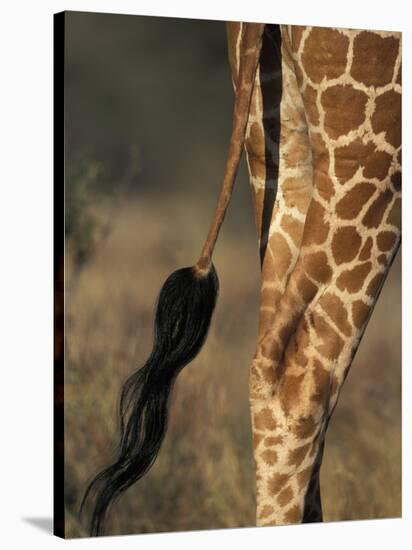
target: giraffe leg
<point>352,231</point>
<point>280,169</point>
<point>280,166</point>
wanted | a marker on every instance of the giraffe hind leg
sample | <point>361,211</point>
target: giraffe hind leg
<point>284,140</point>
<point>351,234</point>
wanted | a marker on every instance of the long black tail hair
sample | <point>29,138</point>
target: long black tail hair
<point>183,314</point>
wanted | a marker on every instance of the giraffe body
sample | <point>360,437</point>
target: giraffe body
<point>323,146</point>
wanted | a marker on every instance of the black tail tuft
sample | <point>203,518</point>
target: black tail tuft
<point>184,311</point>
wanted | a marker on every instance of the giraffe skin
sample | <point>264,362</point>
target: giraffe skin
<point>294,179</point>
<point>333,142</point>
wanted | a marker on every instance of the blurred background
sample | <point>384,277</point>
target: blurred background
<point>148,118</point>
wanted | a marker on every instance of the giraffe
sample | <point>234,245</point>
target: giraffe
<point>330,140</point>
<point>318,112</point>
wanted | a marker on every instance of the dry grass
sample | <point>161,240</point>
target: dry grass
<point>204,476</point>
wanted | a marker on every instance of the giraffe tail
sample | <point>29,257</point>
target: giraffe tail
<point>183,315</point>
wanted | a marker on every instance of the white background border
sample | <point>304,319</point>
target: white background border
<point>26,271</point>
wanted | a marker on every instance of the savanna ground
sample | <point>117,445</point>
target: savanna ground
<point>127,230</point>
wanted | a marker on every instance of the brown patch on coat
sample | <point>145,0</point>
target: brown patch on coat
<point>365,253</point>
<point>396,180</point>
<point>324,184</point>
<point>299,354</point>
<point>292,516</point>
<point>296,456</point>
<point>386,240</point>
<point>352,279</point>
<point>258,196</point>
<point>266,511</point>
<point>296,348</point>
<point>382,259</point>
<point>256,141</point>
<point>387,117</point>
<point>317,267</point>
<point>285,496</point>
<point>288,326</point>
<point>290,391</point>
<point>324,54</point>
<point>352,203</point>
<point>377,209</point>
<point>395,214</point>
<point>360,312</point>
<point>257,164</point>
<point>306,288</point>
<point>293,227</point>
<point>349,158</point>
<point>374,57</point>
<point>320,162</point>
<point>332,343</point>
<point>305,427</point>
<point>263,420</point>
<point>297,32</point>
<point>303,477</point>
<point>268,264</point>
<point>276,483</point>
<point>311,109</point>
<point>399,75</point>
<point>257,438</point>
<point>374,284</point>
<point>321,380</point>
<point>344,109</point>
<point>377,165</point>
<point>271,441</point>
<point>269,456</point>
<point>345,244</point>
<point>266,317</point>
<point>336,310</point>
<point>270,349</point>
<point>300,357</point>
